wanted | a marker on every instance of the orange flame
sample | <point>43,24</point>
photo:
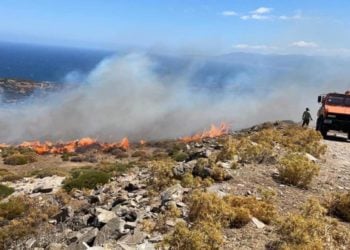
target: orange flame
<point>124,144</point>
<point>71,146</point>
<point>214,131</point>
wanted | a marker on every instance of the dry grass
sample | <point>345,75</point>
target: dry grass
<point>200,236</point>
<point>297,170</point>
<point>311,229</point>
<point>162,175</point>
<point>260,146</point>
<point>234,211</point>
<point>21,217</point>
<point>340,206</point>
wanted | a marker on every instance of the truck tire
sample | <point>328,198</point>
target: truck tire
<point>349,135</point>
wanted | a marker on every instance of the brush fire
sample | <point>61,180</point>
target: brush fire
<point>214,131</point>
<point>88,143</point>
<point>74,146</point>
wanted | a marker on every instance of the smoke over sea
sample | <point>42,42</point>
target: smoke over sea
<point>147,96</point>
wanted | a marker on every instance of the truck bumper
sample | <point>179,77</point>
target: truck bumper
<point>334,124</point>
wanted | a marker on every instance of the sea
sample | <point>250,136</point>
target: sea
<point>47,63</point>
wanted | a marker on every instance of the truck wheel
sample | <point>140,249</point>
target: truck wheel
<point>349,135</point>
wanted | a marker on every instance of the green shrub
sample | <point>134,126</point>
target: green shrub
<point>297,170</point>
<point>85,178</point>
<point>6,175</point>
<point>13,209</point>
<point>46,172</point>
<point>116,168</point>
<point>180,156</point>
<point>5,191</point>
<point>66,156</point>
<point>19,159</point>
<point>6,152</point>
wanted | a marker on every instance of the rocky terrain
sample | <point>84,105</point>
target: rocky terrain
<point>15,90</point>
<point>272,186</point>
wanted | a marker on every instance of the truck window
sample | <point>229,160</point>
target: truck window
<point>335,100</point>
<point>347,101</point>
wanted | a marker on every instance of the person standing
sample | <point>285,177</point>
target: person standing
<point>306,117</point>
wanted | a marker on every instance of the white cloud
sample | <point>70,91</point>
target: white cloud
<point>253,47</point>
<point>303,44</point>
<point>258,14</point>
<point>245,17</point>
<point>296,16</point>
<point>260,17</point>
<point>229,13</point>
<point>262,10</point>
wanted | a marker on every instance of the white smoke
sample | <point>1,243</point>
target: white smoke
<point>127,97</point>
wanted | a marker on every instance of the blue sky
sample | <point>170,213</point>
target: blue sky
<point>270,26</point>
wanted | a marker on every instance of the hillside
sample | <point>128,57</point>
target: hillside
<point>272,186</point>
<point>15,90</point>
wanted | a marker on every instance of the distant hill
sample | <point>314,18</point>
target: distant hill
<point>15,90</point>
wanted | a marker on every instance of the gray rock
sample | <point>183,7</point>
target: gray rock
<point>56,246</point>
<point>64,214</point>
<point>311,157</point>
<point>258,223</point>
<point>87,237</point>
<point>173,193</point>
<point>104,216</point>
<point>114,229</point>
<point>30,243</point>
<point>133,239</point>
<point>42,189</point>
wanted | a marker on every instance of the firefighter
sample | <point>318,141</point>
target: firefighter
<point>306,117</point>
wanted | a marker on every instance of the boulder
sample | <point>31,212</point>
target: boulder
<point>114,229</point>
<point>173,193</point>
<point>104,216</point>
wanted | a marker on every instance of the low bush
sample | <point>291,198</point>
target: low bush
<point>200,236</point>
<point>340,206</point>
<point>297,170</point>
<point>115,169</point>
<point>209,214</point>
<point>21,217</point>
<point>5,191</point>
<point>179,156</point>
<point>234,211</point>
<point>311,229</point>
<point>19,159</point>
<point>162,175</point>
<point>46,172</point>
<point>6,175</point>
<point>262,210</point>
<point>85,178</point>
<point>9,151</point>
<point>66,156</point>
<point>210,207</point>
<point>246,150</point>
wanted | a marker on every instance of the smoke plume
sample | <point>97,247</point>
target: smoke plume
<point>149,97</point>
